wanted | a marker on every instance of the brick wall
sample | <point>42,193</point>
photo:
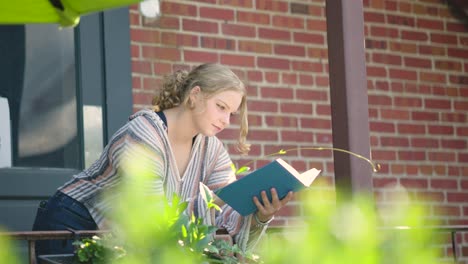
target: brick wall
<point>417,68</point>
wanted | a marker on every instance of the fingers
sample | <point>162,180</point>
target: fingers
<point>268,207</point>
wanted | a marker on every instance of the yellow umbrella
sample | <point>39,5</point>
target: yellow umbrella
<point>64,12</point>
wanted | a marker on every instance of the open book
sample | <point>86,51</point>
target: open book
<point>277,174</point>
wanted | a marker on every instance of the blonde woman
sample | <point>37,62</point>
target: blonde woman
<point>190,109</point>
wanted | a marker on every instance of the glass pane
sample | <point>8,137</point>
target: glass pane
<point>37,73</point>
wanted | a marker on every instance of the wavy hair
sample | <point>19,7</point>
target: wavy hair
<point>212,79</point>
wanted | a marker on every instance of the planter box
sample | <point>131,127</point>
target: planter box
<point>56,259</point>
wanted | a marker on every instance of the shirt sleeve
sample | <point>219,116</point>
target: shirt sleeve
<point>237,226</point>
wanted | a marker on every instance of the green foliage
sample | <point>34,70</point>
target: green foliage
<point>7,254</point>
<point>98,251</point>
<point>352,233</point>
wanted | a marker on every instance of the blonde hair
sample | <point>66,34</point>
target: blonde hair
<point>212,79</point>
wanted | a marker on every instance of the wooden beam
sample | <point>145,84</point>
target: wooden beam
<point>348,96</point>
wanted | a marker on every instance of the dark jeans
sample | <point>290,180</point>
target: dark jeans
<point>61,212</point>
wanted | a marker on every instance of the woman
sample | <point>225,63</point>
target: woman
<point>189,111</point>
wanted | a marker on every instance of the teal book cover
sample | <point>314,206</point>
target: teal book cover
<point>277,174</point>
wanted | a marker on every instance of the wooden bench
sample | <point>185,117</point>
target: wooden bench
<point>32,236</point>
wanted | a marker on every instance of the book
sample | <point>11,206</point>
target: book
<point>277,174</point>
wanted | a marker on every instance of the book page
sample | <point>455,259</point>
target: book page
<point>305,178</point>
<point>309,176</point>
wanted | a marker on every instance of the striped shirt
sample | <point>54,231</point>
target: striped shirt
<point>209,164</point>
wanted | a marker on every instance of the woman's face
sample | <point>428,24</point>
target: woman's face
<point>212,115</point>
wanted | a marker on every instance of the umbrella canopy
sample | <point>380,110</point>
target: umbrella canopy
<point>64,12</point>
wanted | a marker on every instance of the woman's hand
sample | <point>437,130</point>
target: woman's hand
<point>268,209</point>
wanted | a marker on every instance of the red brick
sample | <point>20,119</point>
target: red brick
<point>273,63</point>
<point>200,56</point>
<point>424,116</point>
<point>253,18</point>
<point>255,46</point>
<point>430,24</point>
<point>433,77</point>
<point>376,71</point>
<point>171,54</point>
<point>437,104</point>
<point>440,130</point>
<point>414,183</point>
<point>380,31</point>
<point>432,50</point>
<point>319,53</point>
<point>458,53</point>
<point>317,25</point>
<point>444,39</point>
<point>462,131</point>
<point>311,95</point>
<point>237,60</point>
<point>272,5</point>
<point>263,135</point>
<point>384,155</point>
<point>411,155</point>
<point>309,38</point>
<point>384,182</point>
<point>217,43</point>
<point>403,74</point>
<point>141,67</point>
<point>307,66</point>
<point>408,102</point>
<point>387,58</point>
<point>263,106</point>
<point>394,141</point>
<point>394,114</point>
<point>374,17</point>
<point>317,123</point>
<point>297,136</point>
<point>150,84</point>
<point>255,76</point>
<point>136,82</point>
<point>414,35</point>
<point>217,13</point>
<point>446,210</point>
<point>178,9</point>
<point>298,108</point>
<point>460,106</point>
<point>382,127</point>
<point>457,197</point>
<point>444,184</point>
<point>275,34</point>
<point>411,129</point>
<point>417,62</point>
<point>376,44</point>
<point>306,79</point>
<point>403,47</point>
<point>289,78</point>
<point>441,156</point>
<point>321,109</point>
<point>401,20</point>
<point>272,77</point>
<point>448,65</point>
<point>276,92</point>
<point>459,80</point>
<point>238,3</point>
<point>178,39</point>
<point>454,143</point>
<point>429,196</point>
<point>288,22</point>
<point>162,68</point>
<point>238,30</point>
<point>424,143</point>
<point>281,121</point>
<point>199,26</point>
<point>145,36</point>
<point>322,81</point>
<point>290,50</point>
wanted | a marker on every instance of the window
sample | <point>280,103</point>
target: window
<point>37,76</point>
